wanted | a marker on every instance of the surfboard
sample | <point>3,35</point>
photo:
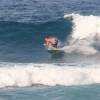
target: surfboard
<point>56,52</point>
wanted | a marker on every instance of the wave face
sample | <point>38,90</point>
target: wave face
<point>21,75</point>
<point>23,42</point>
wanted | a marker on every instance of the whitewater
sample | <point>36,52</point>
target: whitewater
<point>22,75</point>
<point>85,36</point>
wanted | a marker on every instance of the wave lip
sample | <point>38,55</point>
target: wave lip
<point>48,74</point>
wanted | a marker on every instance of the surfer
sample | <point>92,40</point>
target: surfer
<point>51,42</point>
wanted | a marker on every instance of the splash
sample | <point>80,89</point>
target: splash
<point>85,34</point>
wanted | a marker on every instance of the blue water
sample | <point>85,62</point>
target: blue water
<point>52,93</point>
<point>28,71</point>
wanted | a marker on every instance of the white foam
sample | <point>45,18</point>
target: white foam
<point>48,74</point>
<point>86,32</point>
<point>80,46</point>
<point>85,26</point>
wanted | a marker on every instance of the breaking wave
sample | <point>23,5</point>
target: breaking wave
<point>85,37</point>
<point>22,75</point>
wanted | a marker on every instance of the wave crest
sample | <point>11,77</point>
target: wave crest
<point>85,34</point>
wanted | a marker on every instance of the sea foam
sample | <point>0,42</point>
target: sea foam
<point>85,34</point>
<point>48,74</point>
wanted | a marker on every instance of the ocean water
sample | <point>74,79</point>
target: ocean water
<point>28,71</point>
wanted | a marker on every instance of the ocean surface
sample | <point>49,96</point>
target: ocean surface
<point>28,71</point>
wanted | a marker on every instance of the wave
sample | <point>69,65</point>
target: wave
<point>22,75</point>
<point>85,36</point>
<point>17,31</point>
<point>21,42</point>
<point>80,35</point>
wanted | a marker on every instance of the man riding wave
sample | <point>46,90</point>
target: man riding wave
<point>51,42</point>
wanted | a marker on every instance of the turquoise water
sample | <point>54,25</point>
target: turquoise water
<point>52,93</point>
